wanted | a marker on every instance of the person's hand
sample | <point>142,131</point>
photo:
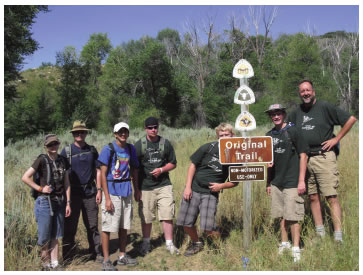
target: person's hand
<point>99,197</point>
<point>270,165</point>
<point>268,190</point>
<point>109,206</point>
<point>301,187</point>
<point>187,193</point>
<point>137,195</point>
<point>47,189</point>
<point>329,144</point>
<point>68,210</point>
<point>215,187</point>
<point>156,172</point>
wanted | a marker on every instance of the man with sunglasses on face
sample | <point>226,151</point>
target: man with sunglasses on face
<point>286,178</point>
<point>119,166</point>
<point>85,193</point>
<point>157,157</point>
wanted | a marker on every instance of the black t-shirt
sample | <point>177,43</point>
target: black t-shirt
<point>208,168</point>
<point>317,122</point>
<point>288,143</point>
<point>58,169</point>
<point>152,159</point>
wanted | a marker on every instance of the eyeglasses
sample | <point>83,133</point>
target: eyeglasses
<point>52,144</point>
<point>276,114</point>
<point>152,127</point>
<point>77,133</point>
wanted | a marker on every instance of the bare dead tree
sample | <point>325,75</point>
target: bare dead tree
<point>255,16</point>
<point>343,52</point>
<point>198,60</point>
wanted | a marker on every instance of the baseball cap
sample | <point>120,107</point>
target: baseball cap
<point>151,121</point>
<point>50,138</point>
<point>120,125</point>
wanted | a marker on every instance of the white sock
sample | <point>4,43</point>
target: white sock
<point>295,249</point>
<point>169,242</point>
<point>338,235</point>
<point>54,264</point>
<point>146,240</point>
<point>120,257</point>
<point>320,230</point>
<point>285,243</point>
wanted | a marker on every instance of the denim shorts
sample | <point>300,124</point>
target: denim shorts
<point>49,227</point>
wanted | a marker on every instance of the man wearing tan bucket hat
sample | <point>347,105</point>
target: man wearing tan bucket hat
<point>86,193</point>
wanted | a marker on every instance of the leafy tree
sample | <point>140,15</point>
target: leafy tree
<point>18,42</point>
<point>73,86</point>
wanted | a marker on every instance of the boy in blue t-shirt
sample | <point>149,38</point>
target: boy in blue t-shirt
<point>116,177</point>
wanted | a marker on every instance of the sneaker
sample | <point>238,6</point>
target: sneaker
<point>172,249</point>
<point>193,248</point>
<point>283,247</point>
<point>108,266</point>
<point>296,254</point>
<point>145,248</point>
<point>126,260</point>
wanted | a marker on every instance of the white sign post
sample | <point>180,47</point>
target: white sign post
<point>245,122</point>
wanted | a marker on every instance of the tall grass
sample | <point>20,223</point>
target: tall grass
<point>21,252</point>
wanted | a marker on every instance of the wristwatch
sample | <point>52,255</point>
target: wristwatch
<point>99,189</point>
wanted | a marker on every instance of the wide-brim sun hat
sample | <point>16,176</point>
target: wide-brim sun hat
<point>275,107</point>
<point>79,126</point>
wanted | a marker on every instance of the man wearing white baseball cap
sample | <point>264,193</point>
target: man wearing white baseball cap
<point>116,176</point>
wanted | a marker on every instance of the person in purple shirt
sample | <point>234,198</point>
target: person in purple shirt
<point>116,176</point>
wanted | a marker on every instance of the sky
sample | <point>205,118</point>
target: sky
<point>72,25</point>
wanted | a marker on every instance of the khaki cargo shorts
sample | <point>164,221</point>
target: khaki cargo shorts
<point>286,203</point>
<point>161,198</point>
<point>121,217</point>
<point>322,174</point>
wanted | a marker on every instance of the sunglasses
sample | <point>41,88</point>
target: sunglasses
<point>77,133</point>
<point>52,144</point>
<point>152,127</point>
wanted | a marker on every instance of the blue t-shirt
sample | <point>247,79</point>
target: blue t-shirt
<point>118,176</point>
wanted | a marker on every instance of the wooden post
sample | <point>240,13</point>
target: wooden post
<point>247,216</point>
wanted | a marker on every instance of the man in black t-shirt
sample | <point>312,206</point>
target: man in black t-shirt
<point>206,177</point>
<point>316,120</point>
<point>286,178</point>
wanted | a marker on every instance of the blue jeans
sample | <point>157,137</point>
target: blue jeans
<point>49,227</point>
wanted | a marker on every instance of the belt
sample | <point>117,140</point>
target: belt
<point>316,153</point>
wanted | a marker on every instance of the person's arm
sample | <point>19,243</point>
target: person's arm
<point>135,183</point>
<point>99,186</point>
<point>329,144</point>
<point>109,204</point>
<point>269,178</point>
<point>216,187</point>
<point>301,187</point>
<point>27,178</point>
<point>166,168</point>
<point>188,186</point>
<point>68,194</point>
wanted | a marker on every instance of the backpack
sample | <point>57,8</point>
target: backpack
<point>36,177</point>
<point>286,134</point>
<point>161,146</point>
<point>113,153</point>
<point>68,150</point>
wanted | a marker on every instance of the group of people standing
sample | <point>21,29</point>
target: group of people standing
<point>81,179</point>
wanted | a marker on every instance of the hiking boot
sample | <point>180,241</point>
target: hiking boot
<point>108,266</point>
<point>99,258</point>
<point>172,249</point>
<point>145,248</point>
<point>283,247</point>
<point>296,254</point>
<point>193,248</point>
<point>126,260</point>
